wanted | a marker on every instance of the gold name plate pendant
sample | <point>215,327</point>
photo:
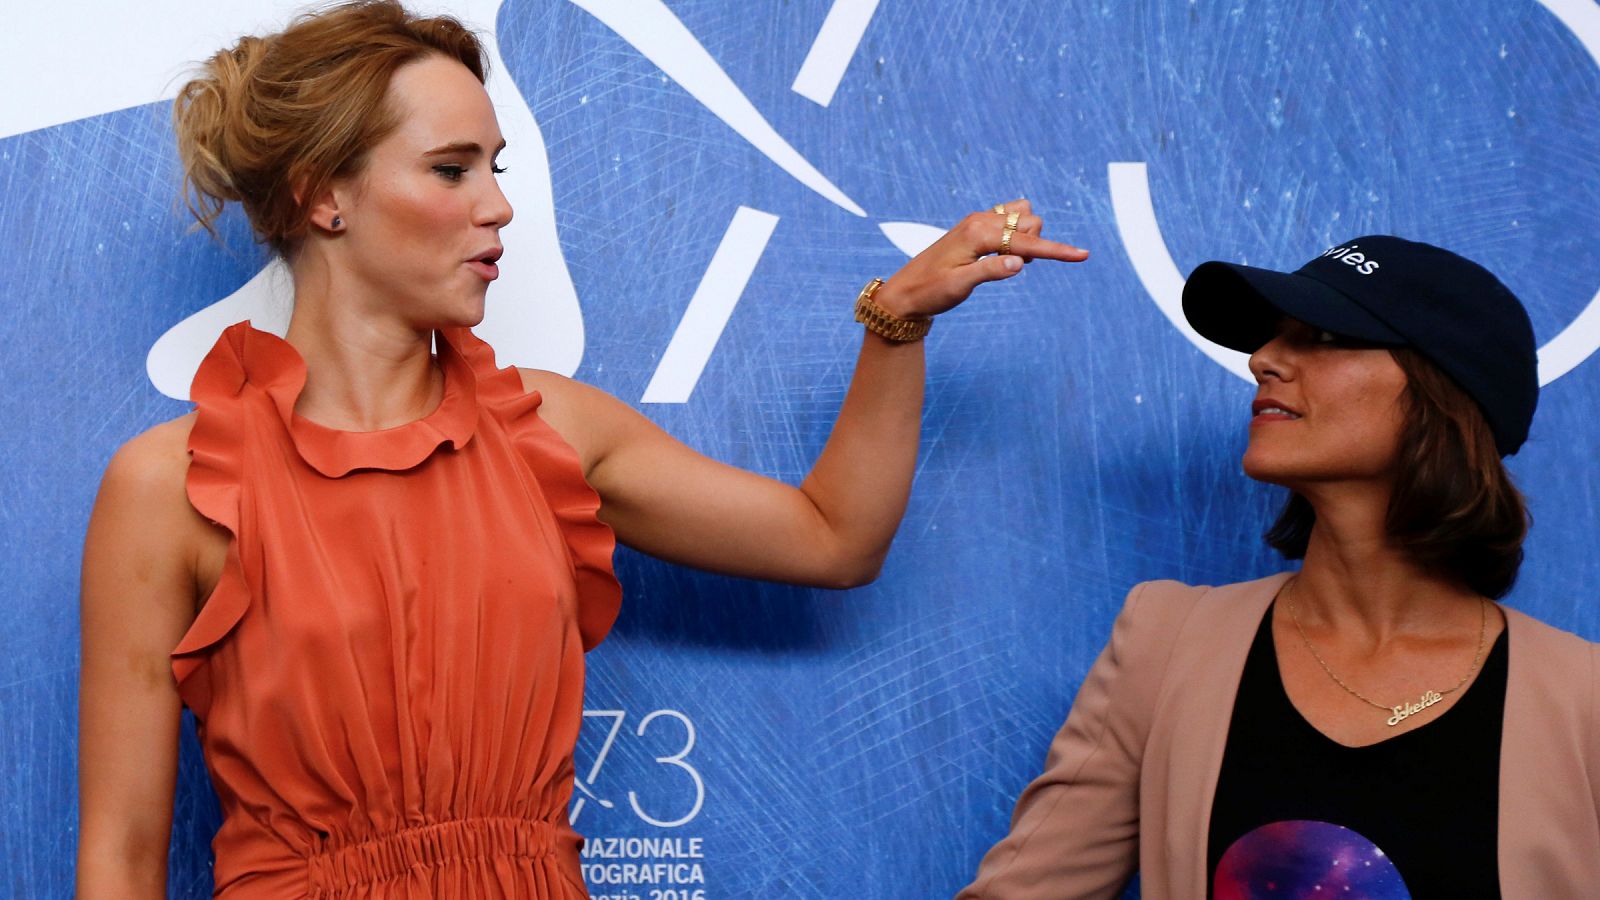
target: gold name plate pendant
<point>1407,710</point>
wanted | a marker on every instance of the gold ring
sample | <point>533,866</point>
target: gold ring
<point>1000,208</point>
<point>1008,231</point>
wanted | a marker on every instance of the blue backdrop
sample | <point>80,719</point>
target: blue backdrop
<point>869,743</point>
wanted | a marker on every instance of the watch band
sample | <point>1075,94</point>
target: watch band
<point>882,323</point>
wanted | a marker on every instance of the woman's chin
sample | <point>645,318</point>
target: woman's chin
<point>1267,470</point>
<point>467,315</point>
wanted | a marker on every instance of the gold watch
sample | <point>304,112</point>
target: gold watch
<point>884,324</point>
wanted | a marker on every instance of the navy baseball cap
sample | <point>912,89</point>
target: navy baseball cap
<point>1388,290</point>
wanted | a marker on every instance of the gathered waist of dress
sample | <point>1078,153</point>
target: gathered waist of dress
<point>339,865</point>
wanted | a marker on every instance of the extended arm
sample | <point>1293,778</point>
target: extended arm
<point>835,528</point>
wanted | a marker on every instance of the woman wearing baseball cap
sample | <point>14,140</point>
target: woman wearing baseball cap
<point>1374,724</point>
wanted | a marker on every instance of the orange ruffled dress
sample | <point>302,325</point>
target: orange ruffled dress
<point>389,675</point>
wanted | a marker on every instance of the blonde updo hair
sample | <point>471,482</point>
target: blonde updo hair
<point>272,121</point>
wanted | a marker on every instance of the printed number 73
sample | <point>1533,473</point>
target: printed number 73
<point>676,760</point>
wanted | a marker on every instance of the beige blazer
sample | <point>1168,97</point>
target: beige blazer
<point>1129,779</point>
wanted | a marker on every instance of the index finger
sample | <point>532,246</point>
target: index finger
<point>1031,246</point>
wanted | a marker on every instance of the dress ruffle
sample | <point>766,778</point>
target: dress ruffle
<point>216,471</point>
<point>377,587</point>
<point>590,542</point>
<point>245,358</point>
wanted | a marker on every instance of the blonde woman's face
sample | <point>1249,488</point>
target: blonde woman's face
<point>422,221</point>
<point>1326,410</point>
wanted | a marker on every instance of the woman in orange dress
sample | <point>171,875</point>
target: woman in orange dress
<point>372,569</point>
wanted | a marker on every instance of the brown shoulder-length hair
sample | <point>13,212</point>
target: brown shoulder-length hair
<point>1454,506</point>
<point>271,121</point>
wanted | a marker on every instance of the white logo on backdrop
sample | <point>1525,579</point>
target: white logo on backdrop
<point>1141,234</point>
<point>534,317</point>
<point>110,72</point>
<point>693,786</point>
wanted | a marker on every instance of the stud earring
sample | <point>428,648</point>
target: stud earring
<point>337,222</point>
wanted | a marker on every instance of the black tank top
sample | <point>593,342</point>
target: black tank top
<point>1410,818</point>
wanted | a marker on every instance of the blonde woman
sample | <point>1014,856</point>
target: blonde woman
<point>372,571</point>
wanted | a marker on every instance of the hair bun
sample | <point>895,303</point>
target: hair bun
<point>277,118</point>
<point>211,117</point>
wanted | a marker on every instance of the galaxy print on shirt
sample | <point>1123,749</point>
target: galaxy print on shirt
<point>1303,860</point>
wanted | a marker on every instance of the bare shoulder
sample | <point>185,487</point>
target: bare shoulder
<point>547,383</point>
<point>586,417</point>
<point>145,541</point>
<point>152,467</point>
<point>561,390</point>
<point>562,400</point>
<point>144,496</point>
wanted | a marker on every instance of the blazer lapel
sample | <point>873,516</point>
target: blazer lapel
<point>1190,732</point>
<point>1547,830</point>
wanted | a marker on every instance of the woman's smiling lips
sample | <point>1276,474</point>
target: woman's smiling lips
<point>1266,409</point>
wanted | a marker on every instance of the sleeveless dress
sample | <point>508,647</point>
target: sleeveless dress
<point>388,676</point>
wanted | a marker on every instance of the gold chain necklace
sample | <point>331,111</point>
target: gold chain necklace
<point>1403,711</point>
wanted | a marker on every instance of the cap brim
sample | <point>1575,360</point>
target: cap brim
<point>1239,307</point>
